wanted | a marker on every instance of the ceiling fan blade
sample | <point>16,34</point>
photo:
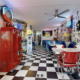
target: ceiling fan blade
<point>50,19</point>
<point>61,17</point>
<point>49,14</point>
<point>64,11</point>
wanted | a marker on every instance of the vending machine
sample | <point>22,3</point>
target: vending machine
<point>10,55</point>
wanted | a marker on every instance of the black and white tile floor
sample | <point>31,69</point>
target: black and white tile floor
<point>37,66</point>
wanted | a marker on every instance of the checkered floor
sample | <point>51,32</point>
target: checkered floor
<point>37,66</point>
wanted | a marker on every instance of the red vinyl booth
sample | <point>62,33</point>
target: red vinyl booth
<point>10,55</point>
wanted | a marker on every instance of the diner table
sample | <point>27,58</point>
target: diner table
<point>60,45</point>
<point>59,51</point>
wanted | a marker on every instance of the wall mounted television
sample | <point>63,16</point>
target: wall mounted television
<point>47,33</point>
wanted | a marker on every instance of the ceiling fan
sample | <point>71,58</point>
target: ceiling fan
<point>58,15</point>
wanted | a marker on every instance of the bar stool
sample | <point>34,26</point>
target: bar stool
<point>69,59</point>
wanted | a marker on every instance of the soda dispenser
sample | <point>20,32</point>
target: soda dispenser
<point>10,43</point>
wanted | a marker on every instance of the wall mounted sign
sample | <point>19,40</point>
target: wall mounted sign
<point>6,14</point>
<point>68,24</point>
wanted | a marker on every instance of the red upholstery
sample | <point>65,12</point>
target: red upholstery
<point>75,47</point>
<point>70,59</point>
<point>63,46</point>
<point>55,46</point>
<point>66,64</point>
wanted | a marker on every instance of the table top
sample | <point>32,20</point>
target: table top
<point>58,51</point>
<point>51,44</point>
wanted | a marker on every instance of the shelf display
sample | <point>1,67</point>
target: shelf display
<point>23,27</point>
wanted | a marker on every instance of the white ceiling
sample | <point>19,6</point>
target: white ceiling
<point>32,11</point>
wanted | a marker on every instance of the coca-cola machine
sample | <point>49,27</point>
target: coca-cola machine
<point>10,55</point>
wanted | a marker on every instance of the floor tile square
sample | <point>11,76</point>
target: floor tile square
<point>43,55</point>
<point>33,68</point>
<point>42,61</point>
<point>55,65</point>
<point>22,63</point>
<point>31,73</point>
<point>41,68</point>
<point>36,61</point>
<point>37,58</point>
<point>21,73</point>
<point>49,62</point>
<point>49,59</point>
<point>24,60</point>
<point>51,79</point>
<point>30,61</point>
<point>25,68</point>
<point>18,67</point>
<point>12,73</point>
<point>3,73</point>
<point>18,78</point>
<point>52,75</point>
<point>50,65</point>
<point>1,76</point>
<point>41,79</point>
<point>29,78</point>
<point>44,73</point>
<point>28,64</point>
<point>31,58</point>
<point>51,69</point>
<point>42,64</point>
<point>65,76</point>
<point>6,77</point>
<point>35,64</point>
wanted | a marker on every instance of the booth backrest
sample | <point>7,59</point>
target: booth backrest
<point>71,45</point>
<point>44,42</point>
<point>33,43</point>
<point>48,41</point>
<point>74,43</point>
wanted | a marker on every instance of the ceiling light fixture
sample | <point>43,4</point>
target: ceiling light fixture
<point>56,17</point>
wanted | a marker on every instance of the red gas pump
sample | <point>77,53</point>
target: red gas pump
<point>10,55</point>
